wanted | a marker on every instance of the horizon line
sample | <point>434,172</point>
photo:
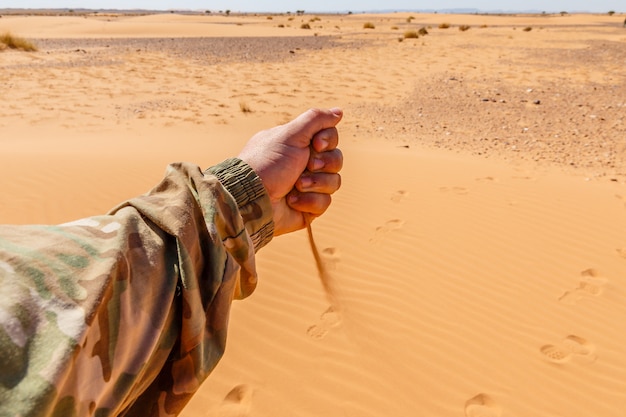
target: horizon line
<point>457,10</point>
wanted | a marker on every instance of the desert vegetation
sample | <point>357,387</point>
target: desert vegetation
<point>244,107</point>
<point>7,40</point>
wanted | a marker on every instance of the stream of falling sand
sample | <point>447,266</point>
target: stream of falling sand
<point>325,278</point>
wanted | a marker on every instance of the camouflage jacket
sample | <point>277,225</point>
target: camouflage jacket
<point>126,314</point>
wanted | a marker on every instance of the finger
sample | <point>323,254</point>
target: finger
<point>314,203</point>
<point>312,121</point>
<point>318,182</point>
<point>325,140</point>
<point>330,161</point>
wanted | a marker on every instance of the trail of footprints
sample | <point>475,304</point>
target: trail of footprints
<point>571,347</point>
<point>590,284</point>
<point>329,318</point>
<point>393,224</point>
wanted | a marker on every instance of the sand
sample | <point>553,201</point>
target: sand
<point>477,245</point>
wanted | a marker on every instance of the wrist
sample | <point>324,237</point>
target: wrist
<point>246,187</point>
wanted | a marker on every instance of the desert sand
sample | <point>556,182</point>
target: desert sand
<point>477,246</point>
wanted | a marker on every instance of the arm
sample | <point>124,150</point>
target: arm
<point>127,313</point>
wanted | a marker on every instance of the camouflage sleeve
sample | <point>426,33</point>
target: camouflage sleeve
<point>126,314</point>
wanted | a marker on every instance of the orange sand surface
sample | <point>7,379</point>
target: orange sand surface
<point>477,246</point>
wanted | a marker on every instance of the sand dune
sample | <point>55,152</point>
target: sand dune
<point>486,294</point>
<point>477,243</point>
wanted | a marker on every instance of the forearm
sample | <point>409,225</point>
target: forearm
<point>128,311</point>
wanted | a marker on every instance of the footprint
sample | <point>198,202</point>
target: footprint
<point>482,406</point>
<point>455,190</point>
<point>485,179</point>
<point>399,195</point>
<point>580,347</point>
<point>571,347</point>
<point>621,252</point>
<point>591,284</point>
<point>330,257</point>
<point>523,177</point>
<point>237,402</point>
<point>329,319</point>
<point>316,332</point>
<point>555,354</point>
<point>389,226</point>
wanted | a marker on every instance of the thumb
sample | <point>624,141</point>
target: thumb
<point>305,126</point>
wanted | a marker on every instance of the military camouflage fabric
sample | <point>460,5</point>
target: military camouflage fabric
<point>126,314</point>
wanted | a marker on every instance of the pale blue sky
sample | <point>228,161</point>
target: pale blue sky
<point>600,6</point>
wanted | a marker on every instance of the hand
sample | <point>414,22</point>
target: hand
<point>298,163</point>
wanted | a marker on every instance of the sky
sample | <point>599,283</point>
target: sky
<point>596,6</point>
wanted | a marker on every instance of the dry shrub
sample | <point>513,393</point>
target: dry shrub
<point>243,106</point>
<point>305,26</point>
<point>422,32</point>
<point>444,25</point>
<point>527,29</point>
<point>463,28</point>
<point>410,34</point>
<point>368,25</point>
<point>7,40</point>
<point>394,28</point>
